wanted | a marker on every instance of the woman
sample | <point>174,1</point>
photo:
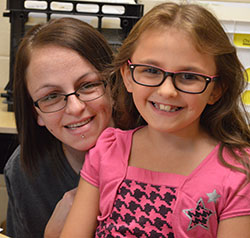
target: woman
<point>62,103</point>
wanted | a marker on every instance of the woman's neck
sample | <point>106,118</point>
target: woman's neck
<point>74,157</point>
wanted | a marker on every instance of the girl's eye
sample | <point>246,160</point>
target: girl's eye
<point>152,70</point>
<point>189,76</point>
<point>147,71</point>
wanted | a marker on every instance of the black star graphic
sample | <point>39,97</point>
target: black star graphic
<point>199,216</point>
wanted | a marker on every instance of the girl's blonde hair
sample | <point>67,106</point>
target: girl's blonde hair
<point>226,120</point>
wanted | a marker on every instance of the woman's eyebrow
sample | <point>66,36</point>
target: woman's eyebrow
<point>87,74</point>
<point>51,85</point>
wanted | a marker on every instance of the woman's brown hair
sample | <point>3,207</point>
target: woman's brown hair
<point>36,141</point>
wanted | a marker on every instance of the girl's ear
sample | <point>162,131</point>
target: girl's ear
<point>215,94</point>
<point>127,77</point>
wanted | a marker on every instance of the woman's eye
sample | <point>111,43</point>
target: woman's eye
<point>89,86</point>
<point>50,97</point>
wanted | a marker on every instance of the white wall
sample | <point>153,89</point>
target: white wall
<point>4,45</point>
<point>223,12</point>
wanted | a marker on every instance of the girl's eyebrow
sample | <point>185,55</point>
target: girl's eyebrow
<point>147,62</point>
<point>193,69</point>
<point>184,68</point>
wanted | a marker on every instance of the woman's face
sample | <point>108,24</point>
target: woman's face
<point>54,69</point>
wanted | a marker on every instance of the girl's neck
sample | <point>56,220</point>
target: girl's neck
<point>182,138</point>
<point>168,152</point>
<point>74,157</point>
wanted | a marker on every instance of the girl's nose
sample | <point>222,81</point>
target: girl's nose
<point>167,89</point>
<point>74,105</point>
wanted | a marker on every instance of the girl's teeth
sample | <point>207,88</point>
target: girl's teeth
<point>166,108</point>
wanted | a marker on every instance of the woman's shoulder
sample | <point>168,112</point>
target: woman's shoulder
<point>14,175</point>
<point>13,164</point>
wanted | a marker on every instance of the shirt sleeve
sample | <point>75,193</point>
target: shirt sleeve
<point>237,196</point>
<point>106,164</point>
<point>90,169</point>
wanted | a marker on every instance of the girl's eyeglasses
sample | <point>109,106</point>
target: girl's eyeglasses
<point>187,82</point>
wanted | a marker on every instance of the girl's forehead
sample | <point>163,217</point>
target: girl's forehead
<point>183,35</point>
<point>154,32</point>
<point>172,48</point>
<point>154,36</point>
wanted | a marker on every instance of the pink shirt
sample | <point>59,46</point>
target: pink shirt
<point>204,197</point>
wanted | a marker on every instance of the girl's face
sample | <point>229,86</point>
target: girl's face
<point>54,69</point>
<point>165,108</point>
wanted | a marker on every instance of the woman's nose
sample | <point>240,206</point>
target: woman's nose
<point>74,105</point>
<point>167,89</point>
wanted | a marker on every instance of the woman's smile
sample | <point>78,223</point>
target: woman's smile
<point>74,126</point>
<point>60,70</point>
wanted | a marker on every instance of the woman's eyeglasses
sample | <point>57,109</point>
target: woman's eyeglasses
<point>187,82</point>
<point>86,92</point>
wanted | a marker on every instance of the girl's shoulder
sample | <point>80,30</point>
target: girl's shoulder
<point>114,137</point>
<point>214,173</point>
<point>111,153</point>
<point>113,143</point>
<point>237,158</point>
<point>115,133</point>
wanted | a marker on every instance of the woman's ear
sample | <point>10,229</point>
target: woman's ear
<point>215,94</point>
<point>37,116</point>
<point>39,120</point>
<point>127,77</point>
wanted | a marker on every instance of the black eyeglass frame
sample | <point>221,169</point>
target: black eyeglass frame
<point>208,78</point>
<point>69,94</point>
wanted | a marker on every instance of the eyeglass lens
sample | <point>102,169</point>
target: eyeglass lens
<point>184,81</point>
<point>87,92</point>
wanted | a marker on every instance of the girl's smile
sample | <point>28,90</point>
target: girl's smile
<point>165,107</point>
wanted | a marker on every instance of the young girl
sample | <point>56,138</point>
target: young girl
<point>186,172</point>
